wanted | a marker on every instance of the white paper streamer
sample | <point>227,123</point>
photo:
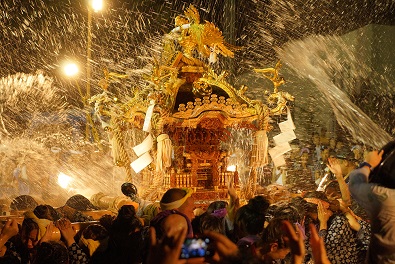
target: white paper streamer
<point>142,162</point>
<point>284,137</point>
<point>144,146</point>
<point>148,115</point>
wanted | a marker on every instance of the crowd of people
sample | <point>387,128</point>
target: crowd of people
<point>347,218</point>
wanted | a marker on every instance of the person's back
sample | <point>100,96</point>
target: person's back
<point>375,192</point>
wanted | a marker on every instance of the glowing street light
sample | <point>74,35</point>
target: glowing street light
<point>64,180</point>
<point>70,69</point>
<point>97,5</point>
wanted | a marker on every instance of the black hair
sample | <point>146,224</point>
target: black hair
<point>384,173</point>
<point>287,212</point>
<point>250,218</point>
<point>95,232</point>
<point>45,211</point>
<point>51,253</point>
<point>216,205</point>
<point>273,233</point>
<point>211,223</point>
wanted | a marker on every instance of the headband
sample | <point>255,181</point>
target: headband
<point>178,203</point>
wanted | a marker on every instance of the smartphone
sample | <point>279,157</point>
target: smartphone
<point>196,248</point>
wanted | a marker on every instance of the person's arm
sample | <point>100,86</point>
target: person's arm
<point>295,242</point>
<point>9,230</point>
<point>349,214</point>
<point>167,250</point>
<point>359,185</point>
<point>363,234</point>
<point>234,202</point>
<point>318,247</point>
<point>76,255</point>
<point>335,168</point>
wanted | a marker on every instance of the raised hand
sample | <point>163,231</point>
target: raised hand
<point>167,250</point>
<point>318,247</point>
<point>334,167</point>
<point>323,215</point>
<point>67,231</point>
<point>225,249</point>
<point>295,242</point>
<point>48,233</point>
<point>10,229</point>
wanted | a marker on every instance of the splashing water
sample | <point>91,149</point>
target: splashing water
<point>318,59</point>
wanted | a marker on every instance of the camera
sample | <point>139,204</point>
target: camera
<point>196,248</point>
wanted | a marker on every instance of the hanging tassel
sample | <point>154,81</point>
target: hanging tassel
<point>164,152</point>
<point>262,143</point>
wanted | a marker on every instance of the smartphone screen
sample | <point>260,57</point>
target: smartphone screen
<point>195,248</point>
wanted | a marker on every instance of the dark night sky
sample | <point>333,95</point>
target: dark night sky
<point>37,34</point>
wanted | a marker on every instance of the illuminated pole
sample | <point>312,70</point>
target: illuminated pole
<point>94,5</point>
<point>88,55</point>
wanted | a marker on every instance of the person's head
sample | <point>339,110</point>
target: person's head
<point>339,144</point>
<point>332,143</point>
<point>126,220</point>
<point>288,212</point>
<point>94,239</point>
<point>304,156</point>
<point>316,139</point>
<point>332,190</point>
<point>209,222</point>
<point>29,234</point>
<point>384,173</point>
<point>313,198</point>
<point>180,200</point>
<point>324,154</point>
<point>23,203</point>
<point>51,253</point>
<point>358,152</point>
<point>346,160</point>
<point>250,218</point>
<point>80,203</point>
<point>273,245</point>
<point>216,205</point>
<point>46,211</point>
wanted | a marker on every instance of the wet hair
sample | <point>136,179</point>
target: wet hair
<point>95,232</point>
<point>80,203</point>
<point>106,221</point>
<point>273,233</point>
<point>250,218</point>
<point>51,253</point>
<point>126,243</point>
<point>45,211</point>
<point>287,212</point>
<point>216,205</point>
<point>126,220</point>
<point>334,185</point>
<point>173,195</point>
<point>28,225</point>
<point>384,173</point>
<point>23,203</point>
<point>310,207</point>
<point>211,223</point>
